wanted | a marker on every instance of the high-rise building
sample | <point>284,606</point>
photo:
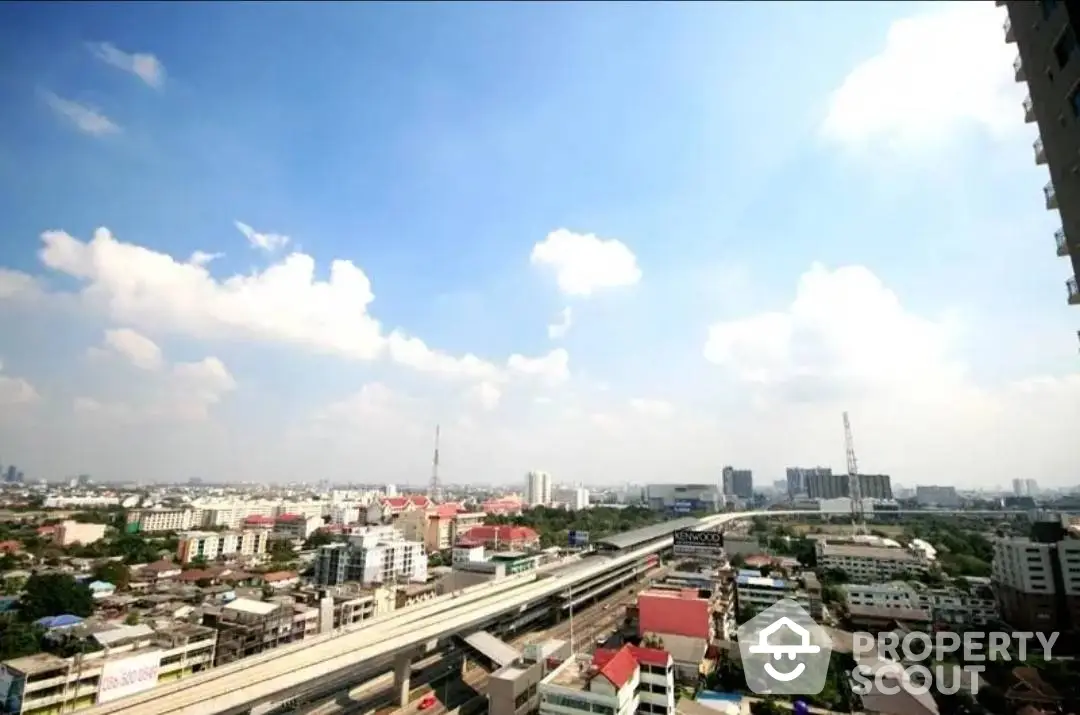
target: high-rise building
<point>1048,61</point>
<point>537,488</point>
<point>1036,579</point>
<point>797,478</point>
<point>836,486</point>
<point>738,483</point>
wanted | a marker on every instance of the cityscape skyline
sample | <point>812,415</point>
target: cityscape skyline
<point>555,295</point>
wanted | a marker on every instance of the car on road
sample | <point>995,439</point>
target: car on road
<point>428,701</point>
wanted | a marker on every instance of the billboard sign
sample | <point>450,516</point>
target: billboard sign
<point>685,506</point>
<point>578,539</point>
<point>121,678</point>
<point>698,543</point>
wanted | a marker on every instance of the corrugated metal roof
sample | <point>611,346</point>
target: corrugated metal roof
<point>629,539</point>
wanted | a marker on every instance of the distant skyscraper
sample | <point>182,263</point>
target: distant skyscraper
<point>738,483</point>
<point>797,478</point>
<point>537,488</point>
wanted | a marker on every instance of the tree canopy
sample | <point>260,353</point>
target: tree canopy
<point>54,594</point>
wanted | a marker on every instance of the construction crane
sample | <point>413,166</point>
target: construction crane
<point>858,521</point>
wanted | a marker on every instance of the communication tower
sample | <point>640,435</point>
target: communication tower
<point>434,486</point>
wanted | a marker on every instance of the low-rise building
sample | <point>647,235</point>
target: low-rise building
<point>624,682</point>
<point>973,606</point>
<point>72,532</point>
<point>211,545</point>
<point>295,527</point>
<point>246,627</point>
<point>755,593</point>
<point>149,521</point>
<point>131,660</point>
<point>504,537</point>
<point>869,564</point>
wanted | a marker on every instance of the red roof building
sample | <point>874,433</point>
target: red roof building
<point>613,678</point>
<point>10,547</point>
<point>259,520</point>
<point>676,613</point>
<point>503,538</point>
<point>503,506</point>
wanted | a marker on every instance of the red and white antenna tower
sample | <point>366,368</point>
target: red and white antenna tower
<point>434,486</point>
<point>858,522</point>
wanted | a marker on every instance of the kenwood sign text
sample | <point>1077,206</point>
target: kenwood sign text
<point>698,542</point>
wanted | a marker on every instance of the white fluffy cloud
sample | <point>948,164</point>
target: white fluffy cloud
<point>182,391</point>
<point>562,324</point>
<point>584,263</point>
<point>268,242</point>
<point>87,119</point>
<point>486,395</point>
<point>15,390</point>
<point>939,71</point>
<point>846,342</point>
<point>844,332</point>
<point>143,65</point>
<point>139,350</point>
<point>284,303</point>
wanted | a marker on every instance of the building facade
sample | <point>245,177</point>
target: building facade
<point>627,681</point>
<point>871,564</point>
<point>737,483</point>
<point>684,498</point>
<point>370,560</point>
<point>1037,580</point>
<point>1048,61</point>
<point>537,488</point>
<point>826,485</point>
<point>211,545</point>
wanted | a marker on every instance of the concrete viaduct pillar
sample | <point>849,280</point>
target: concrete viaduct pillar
<point>403,677</point>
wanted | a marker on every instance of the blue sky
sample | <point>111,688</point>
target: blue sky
<point>726,146</point>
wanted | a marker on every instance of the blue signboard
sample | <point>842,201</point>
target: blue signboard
<point>685,506</point>
<point>578,539</point>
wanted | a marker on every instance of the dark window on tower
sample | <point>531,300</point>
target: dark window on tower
<point>1065,47</point>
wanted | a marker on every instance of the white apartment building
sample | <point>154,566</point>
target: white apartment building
<point>575,498</point>
<point>149,521</point>
<point>64,502</point>
<point>624,682</point>
<point>947,605</point>
<point>756,592</point>
<point>537,489</point>
<point>376,557</point>
<point>212,545</point>
<point>296,527</point>
<point>869,564</point>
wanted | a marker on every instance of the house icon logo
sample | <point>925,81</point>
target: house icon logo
<point>784,652</point>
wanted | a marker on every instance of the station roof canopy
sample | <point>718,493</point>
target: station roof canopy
<point>639,537</point>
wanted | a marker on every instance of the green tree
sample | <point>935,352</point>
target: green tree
<point>54,594</point>
<point>319,538</point>
<point>768,706</point>
<point>18,638</point>
<point>116,573</point>
<point>132,619</point>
